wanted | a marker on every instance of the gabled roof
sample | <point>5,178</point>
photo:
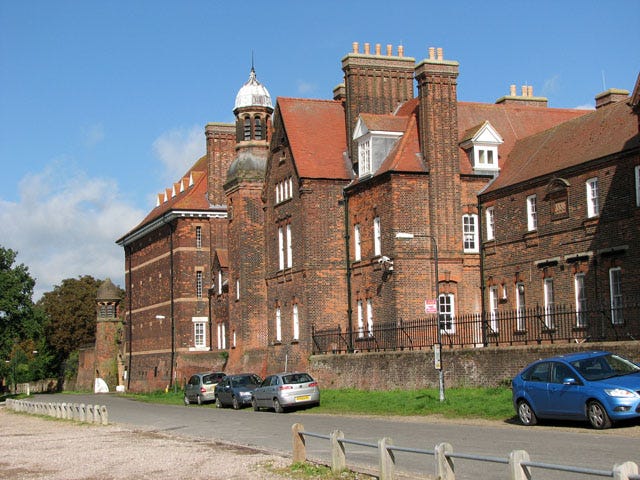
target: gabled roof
<point>315,130</point>
<point>222,255</point>
<point>383,123</point>
<point>606,131</point>
<point>405,155</point>
<point>189,194</point>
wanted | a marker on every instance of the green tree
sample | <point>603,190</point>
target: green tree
<point>71,309</point>
<point>23,353</point>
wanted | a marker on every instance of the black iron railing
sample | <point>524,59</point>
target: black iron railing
<point>530,326</point>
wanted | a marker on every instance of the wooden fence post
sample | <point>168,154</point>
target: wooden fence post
<point>299,446</point>
<point>387,459</point>
<point>444,464</point>
<point>622,471</point>
<point>517,471</point>
<point>338,457</point>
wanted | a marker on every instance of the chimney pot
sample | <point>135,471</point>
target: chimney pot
<point>400,51</point>
<point>389,50</point>
<point>377,49</point>
<point>512,90</point>
<point>530,91</point>
<point>524,90</point>
<point>367,48</point>
<point>432,53</point>
<point>356,47</point>
<point>440,54</point>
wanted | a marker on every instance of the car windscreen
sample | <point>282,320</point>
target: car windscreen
<point>297,378</point>
<point>604,366</point>
<point>245,381</point>
<point>209,379</point>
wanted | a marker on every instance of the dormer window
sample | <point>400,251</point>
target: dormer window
<point>481,143</point>
<point>364,157</point>
<point>376,135</point>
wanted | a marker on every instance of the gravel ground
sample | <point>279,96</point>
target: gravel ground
<point>40,448</point>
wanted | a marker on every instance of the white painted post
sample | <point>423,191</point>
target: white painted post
<point>622,471</point>
<point>517,471</point>
<point>444,463</point>
<point>338,457</point>
<point>386,459</point>
<point>83,412</point>
<point>104,415</point>
<point>299,445</point>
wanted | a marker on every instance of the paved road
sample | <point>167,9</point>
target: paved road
<point>557,444</point>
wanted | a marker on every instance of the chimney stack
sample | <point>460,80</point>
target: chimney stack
<point>526,99</point>
<point>613,95</point>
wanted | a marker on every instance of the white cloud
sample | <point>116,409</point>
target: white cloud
<point>551,86</point>
<point>178,150</point>
<point>65,225</point>
<point>93,134</point>
<point>586,106</point>
<point>305,87</point>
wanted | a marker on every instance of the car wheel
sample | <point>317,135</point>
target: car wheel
<point>276,406</point>
<point>254,403</point>
<point>234,403</point>
<point>199,400</point>
<point>526,413</point>
<point>218,402</point>
<point>186,400</point>
<point>598,417</point>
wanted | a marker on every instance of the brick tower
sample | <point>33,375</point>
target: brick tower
<point>243,189</point>
<point>109,363</point>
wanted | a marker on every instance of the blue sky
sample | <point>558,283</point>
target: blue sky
<point>103,104</point>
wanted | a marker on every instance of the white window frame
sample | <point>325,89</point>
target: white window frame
<point>490,219</point>
<point>278,325</point>
<point>593,202</point>
<point>615,292</point>
<point>446,312</point>
<point>520,307</point>
<point>289,247</point>
<point>377,237</point>
<point>234,340</point>
<point>198,236</point>
<point>360,320</point>
<point>357,247</point>
<point>370,317</point>
<point>199,283</point>
<point>280,248</point>
<point>581,299</point>
<point>220,282</point>
<point>199,333</point>
<point>222,336</point>
<point>549,302</point>
<point>364,156</point>
<point>296,322</point>
<point>532,212</point>
<point>637,177</point>
<point>237,289</point>
<point>470,233</point>
<point>493,307</point>
<point>482,155</point>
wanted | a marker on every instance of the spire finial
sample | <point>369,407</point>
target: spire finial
<point>252,69</point>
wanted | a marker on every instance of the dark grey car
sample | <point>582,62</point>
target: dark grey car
<point>201,387</point>
<point>235,390</point>
<point>286,390</point>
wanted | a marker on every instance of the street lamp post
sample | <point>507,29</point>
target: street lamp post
<point>438,346</point>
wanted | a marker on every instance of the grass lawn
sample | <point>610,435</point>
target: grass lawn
<point>487,403</point>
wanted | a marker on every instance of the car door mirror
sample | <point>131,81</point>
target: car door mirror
<point>569,381</point>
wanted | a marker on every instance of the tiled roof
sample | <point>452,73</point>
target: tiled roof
<point>405,155</point>
<point>316,133</point>
<point>512,122</point>
<point>606,131</point>
<point>223,257</point>
<point>181,196</point>
<point>384,123</point>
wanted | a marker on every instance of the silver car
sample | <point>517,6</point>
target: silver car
<point>201,387</point>
<point>286,390</point>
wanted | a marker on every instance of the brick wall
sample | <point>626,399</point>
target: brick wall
<point>486,367</point>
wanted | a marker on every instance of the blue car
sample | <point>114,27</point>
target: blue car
<point>235,390</point>
<point>600,387</point>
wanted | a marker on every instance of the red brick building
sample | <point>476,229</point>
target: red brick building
<point>334,214</point>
